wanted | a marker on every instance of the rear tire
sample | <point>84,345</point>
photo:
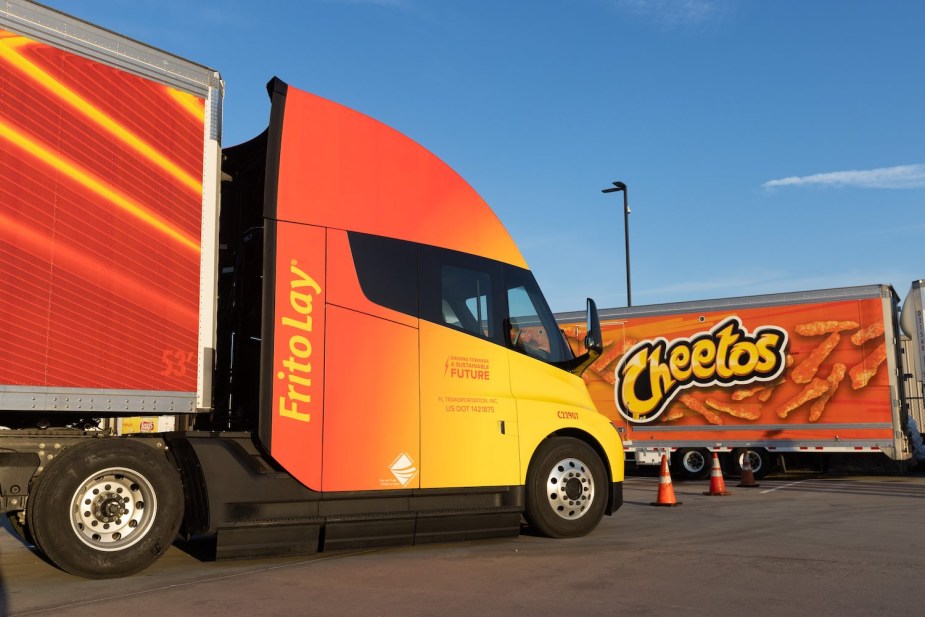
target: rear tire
<point>566,488</point>
<point>760,459</point>
<point>692,463</point>
<point>106,508</point>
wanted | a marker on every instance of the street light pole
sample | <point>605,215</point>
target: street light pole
<point>619,186</point>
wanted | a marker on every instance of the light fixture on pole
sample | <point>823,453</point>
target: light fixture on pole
<point>619,186</point>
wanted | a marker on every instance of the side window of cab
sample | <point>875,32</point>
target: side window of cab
<point>461,292</point>
<point>531,328</point>
<point>465,300</point>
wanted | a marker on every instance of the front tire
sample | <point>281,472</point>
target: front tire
<point>566,488</point>
<point>106,508</point>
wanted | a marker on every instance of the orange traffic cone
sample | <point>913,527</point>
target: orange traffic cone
<point>748,476</point>
<point>665,488</point>
<point>717,485</point>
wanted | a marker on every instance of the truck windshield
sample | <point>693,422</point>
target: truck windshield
<point>532,330</point>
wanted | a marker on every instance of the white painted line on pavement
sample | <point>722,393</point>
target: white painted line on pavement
<point>771,490</point>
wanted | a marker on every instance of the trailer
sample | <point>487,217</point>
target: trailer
<point>321,338</point>
<point>792,377</point>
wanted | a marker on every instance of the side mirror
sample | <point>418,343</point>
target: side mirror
<point>593,340</point>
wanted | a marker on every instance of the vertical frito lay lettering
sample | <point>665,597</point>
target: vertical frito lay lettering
<point>297,369</point>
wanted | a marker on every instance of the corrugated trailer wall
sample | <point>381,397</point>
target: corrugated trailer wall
<point>837,389</point>
<point>101,220</point>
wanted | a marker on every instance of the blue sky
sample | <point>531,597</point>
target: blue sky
<point>767,146</point>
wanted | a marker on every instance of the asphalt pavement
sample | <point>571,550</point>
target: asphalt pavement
<point>796,545</point>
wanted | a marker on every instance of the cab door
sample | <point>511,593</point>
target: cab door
<point>469,431</point>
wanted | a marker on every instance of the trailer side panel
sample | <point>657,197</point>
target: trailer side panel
<point>698,377</point>
<point>101,219</point>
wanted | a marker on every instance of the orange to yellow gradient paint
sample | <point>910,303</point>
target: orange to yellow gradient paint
<point>365,398</point>
<point>297,399</point>
<point>342,169</point>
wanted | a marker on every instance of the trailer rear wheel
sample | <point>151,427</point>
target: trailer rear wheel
<point>106,508</point>
<point>566,488</point>
<point>759,458</point>
<point>692,463</point>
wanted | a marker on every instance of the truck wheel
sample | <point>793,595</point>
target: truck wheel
<point>566,488</point>
<point>692,463</point>
<point>759,458</point>
<point>106,508</point>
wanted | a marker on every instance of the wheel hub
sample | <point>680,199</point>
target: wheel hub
<point>570,488</point>
<point>573,488</point>
<point>694,462</point>
<point>113,510</point>
<point>110,507</point>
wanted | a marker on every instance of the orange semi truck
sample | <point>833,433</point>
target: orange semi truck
<point>321,338</point>
<point>774,377</point>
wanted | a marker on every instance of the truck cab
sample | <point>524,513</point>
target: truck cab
<point>403,344</point>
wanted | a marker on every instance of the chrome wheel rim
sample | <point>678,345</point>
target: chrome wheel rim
<point>113,509</point>
<point>693,462</point>
<point>570,488</point>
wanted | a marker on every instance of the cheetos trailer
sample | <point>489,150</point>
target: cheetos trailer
<point>792,377</point>
<point>319,339</point>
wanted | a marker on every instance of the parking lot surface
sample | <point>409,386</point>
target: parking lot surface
<point>793,546</point>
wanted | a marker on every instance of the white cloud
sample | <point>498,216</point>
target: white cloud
<point>899,177</point>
